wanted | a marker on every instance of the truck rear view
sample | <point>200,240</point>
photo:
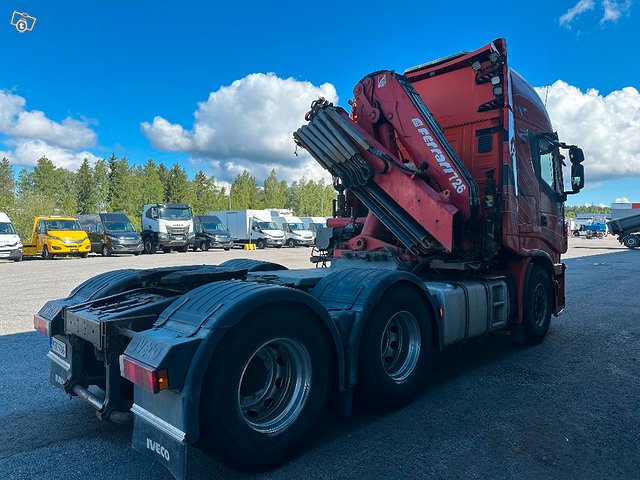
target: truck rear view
<point>448,226</point>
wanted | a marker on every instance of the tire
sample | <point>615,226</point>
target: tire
<point>576,233</point>
<point>46,254</point>
<point>291,242</point>
<point>83,254</point>
<point>105,251</point>
<point>265,387</point>
<point>537,306</point>
<point>204,246</point>
<point>137,253</point>
<point>395,350</point>
<point>261,244</point>
<point>632,241</point>
<point>226,249</point>
<point>149,246</point>
<point>19,259</point>
<point>166,249</point>
<point>194,247</point>
<point>183,249</point>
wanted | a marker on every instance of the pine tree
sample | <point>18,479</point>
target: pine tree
<point>274,193</point>
<point>7,185</point>
<point>101,185</point>
<point>150,184</point>
<point>178,189</point>
<point>85,189</point>
<point>244,192</point>
<point>205,193</point>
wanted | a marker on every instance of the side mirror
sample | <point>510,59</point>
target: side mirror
<point>577,177</point>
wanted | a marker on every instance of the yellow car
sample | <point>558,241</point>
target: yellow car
<point>54,235</point>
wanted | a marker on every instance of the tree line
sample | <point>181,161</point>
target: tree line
<point>114,185</point>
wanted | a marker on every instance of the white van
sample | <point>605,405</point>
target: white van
<point>10,244</point>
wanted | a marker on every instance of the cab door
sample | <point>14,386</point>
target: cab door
<point>547,164</point>
<point>41,235</point>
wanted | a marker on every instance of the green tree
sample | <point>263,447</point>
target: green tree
<point>123,192</point>
<point>274,192</point>
<point>150,184</point>
<point>244,192</point>
<point>55,183</point>
<point>85,189</point>
<point>205,193</point>
<point>7,185</point>
<point>30,204</point>
<point>178,189</point>
<point>101,184</point>
<point>163,173</point>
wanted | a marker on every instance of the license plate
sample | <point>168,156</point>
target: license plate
<point>74,250</point>
<point>59,347</point>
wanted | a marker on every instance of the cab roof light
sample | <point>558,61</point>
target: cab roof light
<point>143,375</point>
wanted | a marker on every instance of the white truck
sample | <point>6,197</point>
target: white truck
<point>168,226</point>
<point>313,224</point>
<point>10,244</point>
<point>252,226</point>
<point>294,229</point>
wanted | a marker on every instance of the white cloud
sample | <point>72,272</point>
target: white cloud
<point>605,127</point>
<point>27,153</point>
<point>611,11</point>
<point>580,7</point>
<point>614,10</point>
<point>622,200</point>
<point>31,135</point>
<point>247,125</point>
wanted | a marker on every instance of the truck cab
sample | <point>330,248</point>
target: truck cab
<point>168,226</point>
<point>295,232</point>
<point>111,233</point>
<point>210,232</point>
<point>56,235</point>
<point>10,244</point>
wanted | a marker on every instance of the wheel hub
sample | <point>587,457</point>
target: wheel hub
<point>400,346</point>
<point>274,385</point>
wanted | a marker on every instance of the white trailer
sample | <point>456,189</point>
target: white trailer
<point>251,226</point>
<point>295,232</point>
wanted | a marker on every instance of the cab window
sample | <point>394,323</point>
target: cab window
<point>543,151</point>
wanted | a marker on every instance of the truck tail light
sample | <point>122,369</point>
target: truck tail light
<point>42,325</point>
<point>143,375</point>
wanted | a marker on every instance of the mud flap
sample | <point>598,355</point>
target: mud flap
<point>161,442</point>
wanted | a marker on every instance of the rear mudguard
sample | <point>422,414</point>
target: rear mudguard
<point>351,294</point>
<point>186,335</point>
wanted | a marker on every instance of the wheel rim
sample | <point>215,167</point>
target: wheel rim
<point>203,246</point>
<point>400,346</point>
<point>632,242</point>
<point>539,305</point>
<point>274,385</point>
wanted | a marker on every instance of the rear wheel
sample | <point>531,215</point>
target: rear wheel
<point>46,254</point>
<point>537,306</point>
<point>395,350</point>
<point>266,385</point>
<point>631,241</point>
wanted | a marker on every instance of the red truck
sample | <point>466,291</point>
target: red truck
<point>448,225</point>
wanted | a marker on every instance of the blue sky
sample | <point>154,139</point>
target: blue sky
<point>128,77</point>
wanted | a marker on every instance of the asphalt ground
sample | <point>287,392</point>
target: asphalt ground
<point>568,408</point>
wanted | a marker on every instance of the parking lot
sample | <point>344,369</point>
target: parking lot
<point>565,409</point>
